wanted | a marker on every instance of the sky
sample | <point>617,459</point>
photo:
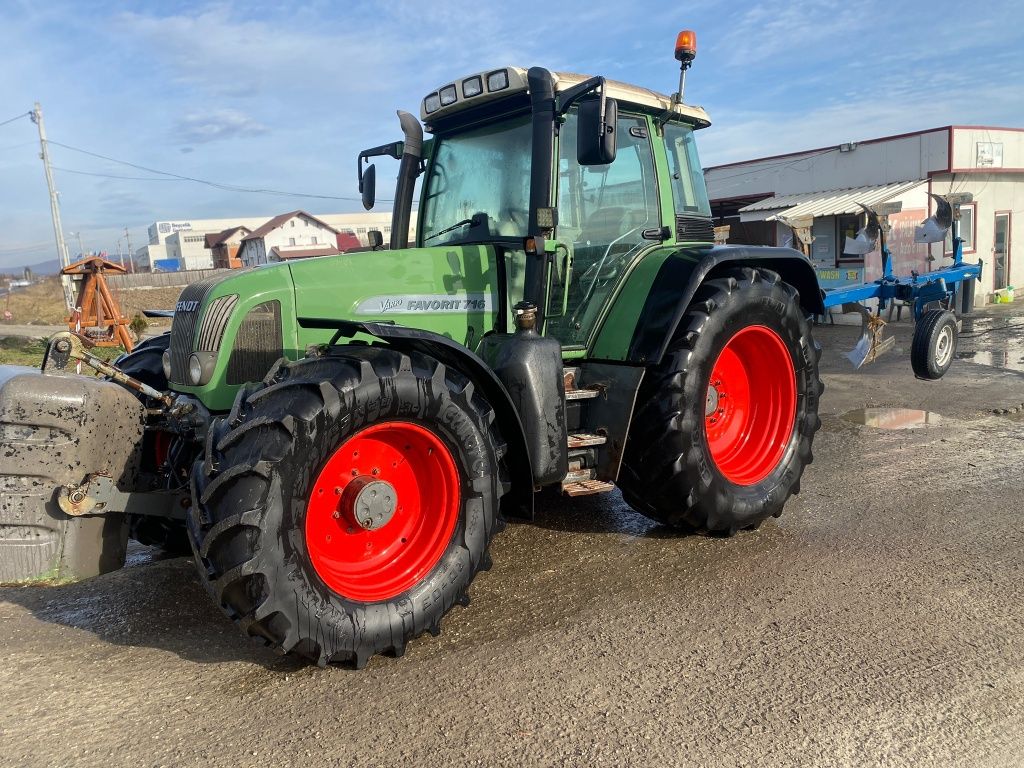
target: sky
<point>283,95</point>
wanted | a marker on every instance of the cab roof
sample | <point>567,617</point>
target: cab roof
<point>452,97</point>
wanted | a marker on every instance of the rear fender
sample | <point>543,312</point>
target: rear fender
<point>519,501</point>
<point>673,286</point>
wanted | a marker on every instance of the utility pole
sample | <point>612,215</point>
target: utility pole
<point>131,256</point>
<point>58,230</point>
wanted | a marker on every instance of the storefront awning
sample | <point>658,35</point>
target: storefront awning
<point>831,202</point>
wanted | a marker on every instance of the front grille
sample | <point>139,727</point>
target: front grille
<point>690,229</point>
<point>212,330</point>
<point>258,345</point>
<point>183,327</point>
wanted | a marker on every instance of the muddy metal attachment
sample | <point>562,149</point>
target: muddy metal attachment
<point>70,452</point>
<point>66,346</point>
<point>871,345</point>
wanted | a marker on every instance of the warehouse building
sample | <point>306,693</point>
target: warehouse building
<point>771,200</point>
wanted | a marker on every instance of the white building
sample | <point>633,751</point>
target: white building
<point>295,235</point>
<point>188,247</point>
<point>183,240</point>
<point>825,186</point>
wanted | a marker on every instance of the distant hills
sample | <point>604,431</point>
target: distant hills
<point>51,267</point>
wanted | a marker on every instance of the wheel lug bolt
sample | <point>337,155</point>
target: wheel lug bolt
<point>375,471</point>
<point>337,490</point>
<point>336,515</point>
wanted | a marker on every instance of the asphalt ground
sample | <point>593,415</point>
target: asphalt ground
<point>877,622</point>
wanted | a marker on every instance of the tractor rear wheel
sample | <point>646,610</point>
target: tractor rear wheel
<point>726,420</point>
<point>347,502</point>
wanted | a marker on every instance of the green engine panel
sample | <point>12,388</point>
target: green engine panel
<point>450,290</point>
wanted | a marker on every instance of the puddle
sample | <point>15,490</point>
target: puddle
<point>994,341</point>
<point>893,418</point>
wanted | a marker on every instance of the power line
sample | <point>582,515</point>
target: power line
<point>111,175</point>
<point>16,117</point>
<point>214,184</point>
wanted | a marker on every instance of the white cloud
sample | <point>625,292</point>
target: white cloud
<point>215,125</point>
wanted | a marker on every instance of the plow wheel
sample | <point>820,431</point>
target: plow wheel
<point>345,505</point>
<point>727,419</point>
<point>934,345</point>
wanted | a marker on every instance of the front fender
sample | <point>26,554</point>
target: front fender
<point>650,305</point>
<point>519,501</point>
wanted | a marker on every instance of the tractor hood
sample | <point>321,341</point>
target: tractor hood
<point>232,328</point>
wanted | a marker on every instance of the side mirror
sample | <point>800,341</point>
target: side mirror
<point>595,132</point>
<point>368,186</point>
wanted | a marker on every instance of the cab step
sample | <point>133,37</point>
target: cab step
<point>585,439</point>
<point>570,376</point>
<point>587,487</point>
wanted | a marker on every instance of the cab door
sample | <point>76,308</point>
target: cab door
<point>603,211</point>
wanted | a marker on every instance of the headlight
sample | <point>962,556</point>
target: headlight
<point>448,95</point>
<point>472,87</point>
<point>432,103</point>
<point>166,360</point>
<point>497,81</point>
<point>195,369</point>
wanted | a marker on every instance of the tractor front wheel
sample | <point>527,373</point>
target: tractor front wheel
<point>347,502</point>
<point>726,421</point>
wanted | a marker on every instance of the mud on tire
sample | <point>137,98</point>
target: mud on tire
<point>250,494</point>
<point>668,472</point>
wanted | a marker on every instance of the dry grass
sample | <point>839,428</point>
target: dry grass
<point>18,350</point>
<point>43,303</point>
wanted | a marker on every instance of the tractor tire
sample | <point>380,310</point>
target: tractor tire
<point>346,503</point>
<point>145,363</point>
<point>934,345</point>
<point>726,420</point>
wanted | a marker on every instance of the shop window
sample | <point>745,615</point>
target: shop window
<point>968,214</point>
<point>847,225</point>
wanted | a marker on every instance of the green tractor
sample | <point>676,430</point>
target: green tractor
<point>339,439</point>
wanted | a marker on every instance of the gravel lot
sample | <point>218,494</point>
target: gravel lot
<point>878,622</point>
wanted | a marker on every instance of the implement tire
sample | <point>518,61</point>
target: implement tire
<point>725,422</point>
<point>347,502</point>
<point>934,345</point>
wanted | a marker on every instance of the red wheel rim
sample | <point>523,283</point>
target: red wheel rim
<point>358,549</point>
<point>750,408</point>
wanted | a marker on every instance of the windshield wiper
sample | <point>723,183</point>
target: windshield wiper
<point>475,220</point>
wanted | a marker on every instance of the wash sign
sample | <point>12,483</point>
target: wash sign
<point>834,278</point>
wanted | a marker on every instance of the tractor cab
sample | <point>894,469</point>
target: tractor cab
<point>572,179</point>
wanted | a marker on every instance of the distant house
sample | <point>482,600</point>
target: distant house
<point>225,246</point>
<point>294,235</point>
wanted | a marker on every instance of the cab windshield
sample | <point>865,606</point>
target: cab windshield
<point>478,187</point>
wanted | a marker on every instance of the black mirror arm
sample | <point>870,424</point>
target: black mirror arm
<point>567,98</point>
<point>394,149</point>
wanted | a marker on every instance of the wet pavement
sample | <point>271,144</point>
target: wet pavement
<point>996,341</point>
<point>877,622</point>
